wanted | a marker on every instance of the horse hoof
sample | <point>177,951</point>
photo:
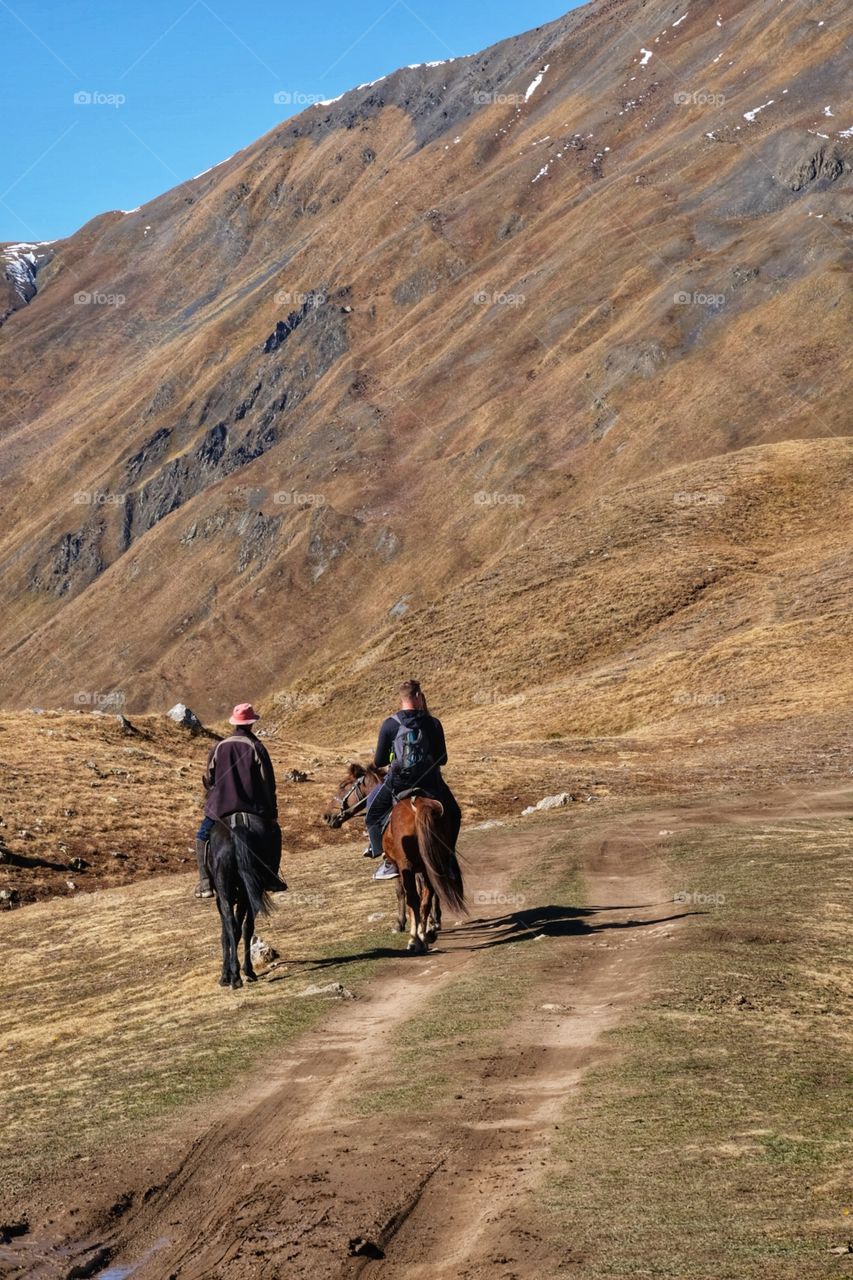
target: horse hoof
<point>397,928</point>
<point>431,937</point>
<point>250,977</point>
<point>224,982</point>
<point>235,983</point>
<point>416,947</point>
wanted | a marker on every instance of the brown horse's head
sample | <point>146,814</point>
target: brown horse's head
<point>351,794</point>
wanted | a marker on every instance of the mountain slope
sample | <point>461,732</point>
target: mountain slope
<point>580,294</point>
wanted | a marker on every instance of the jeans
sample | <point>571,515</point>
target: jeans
<point>203,832</point>
<point>380,802</point>
<point>201,838</point>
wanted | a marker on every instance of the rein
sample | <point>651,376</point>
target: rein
<point>361,800</point>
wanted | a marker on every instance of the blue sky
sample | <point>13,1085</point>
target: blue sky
<point>198,79</point>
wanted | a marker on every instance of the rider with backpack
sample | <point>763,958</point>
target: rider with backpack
<point>411,744</point>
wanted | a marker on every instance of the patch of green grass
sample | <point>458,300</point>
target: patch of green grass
<point>715,1144</point>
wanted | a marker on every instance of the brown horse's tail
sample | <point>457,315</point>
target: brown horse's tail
<point>440,861</point>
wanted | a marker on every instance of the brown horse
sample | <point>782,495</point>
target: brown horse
<point>416,842</point>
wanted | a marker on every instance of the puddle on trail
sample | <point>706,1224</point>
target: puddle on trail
<point>124,1271</point>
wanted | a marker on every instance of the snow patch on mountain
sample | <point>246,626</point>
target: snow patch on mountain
<point>535,82</point>
<point>750,115</point>
<point>412,66</point>
<point>218,165</point>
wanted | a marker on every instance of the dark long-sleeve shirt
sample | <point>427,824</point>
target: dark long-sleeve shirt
<point>239,778</point>
<point>432,730</point>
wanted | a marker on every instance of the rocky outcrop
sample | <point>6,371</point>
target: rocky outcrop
<point>284,328</point>
<point>249,408</point>
<point>824,164</point>
<point>20,264</point>
<point>182,715</point>
<point>70,563</point>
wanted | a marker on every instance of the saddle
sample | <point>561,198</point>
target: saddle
<point>409,794</point>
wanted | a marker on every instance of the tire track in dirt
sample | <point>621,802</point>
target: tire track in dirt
<point>471,1220</point>
<point>280,1184</point>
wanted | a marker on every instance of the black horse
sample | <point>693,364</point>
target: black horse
<point>243,857</point>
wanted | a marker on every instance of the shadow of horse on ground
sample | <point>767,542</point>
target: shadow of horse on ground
<point>553,921</point>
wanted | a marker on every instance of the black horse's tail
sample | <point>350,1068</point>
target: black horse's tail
<point>253,873</point>
<point>440,861</point>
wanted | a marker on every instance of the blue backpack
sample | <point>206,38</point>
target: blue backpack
<point>411,754</point>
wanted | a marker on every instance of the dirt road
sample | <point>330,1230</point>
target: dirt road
<point>299,1167</point>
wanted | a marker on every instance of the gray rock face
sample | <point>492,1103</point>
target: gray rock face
<point>19,266</point>
<point>243,416</point>
<point>825,164</point>
<point>70,563</point>
<point>437,97</point>
<point>781,169</point>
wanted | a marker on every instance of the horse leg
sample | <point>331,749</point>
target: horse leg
<point>234,979</point>
<point>431,927</point>
<point>424,931</point>
<point>435,922</point>
<point>413,901</point>
<point>222,908</point>
<point>400,926</point>
<point>246,922</point>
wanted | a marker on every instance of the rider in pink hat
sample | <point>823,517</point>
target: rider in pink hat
<point>239,779</point>
<point>243,713</point>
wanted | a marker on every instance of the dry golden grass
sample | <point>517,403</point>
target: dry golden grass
<point>75,785</point>
<point>112,1017</point>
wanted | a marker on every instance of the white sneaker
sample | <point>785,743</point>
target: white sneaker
<point>387,871</point>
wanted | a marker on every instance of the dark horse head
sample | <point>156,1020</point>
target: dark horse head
<point>351,795</point>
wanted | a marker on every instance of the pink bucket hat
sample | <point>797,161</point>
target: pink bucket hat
<point>243,713</point>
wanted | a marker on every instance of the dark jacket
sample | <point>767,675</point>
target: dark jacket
<point>239,778</point>
<point>432,730</point>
